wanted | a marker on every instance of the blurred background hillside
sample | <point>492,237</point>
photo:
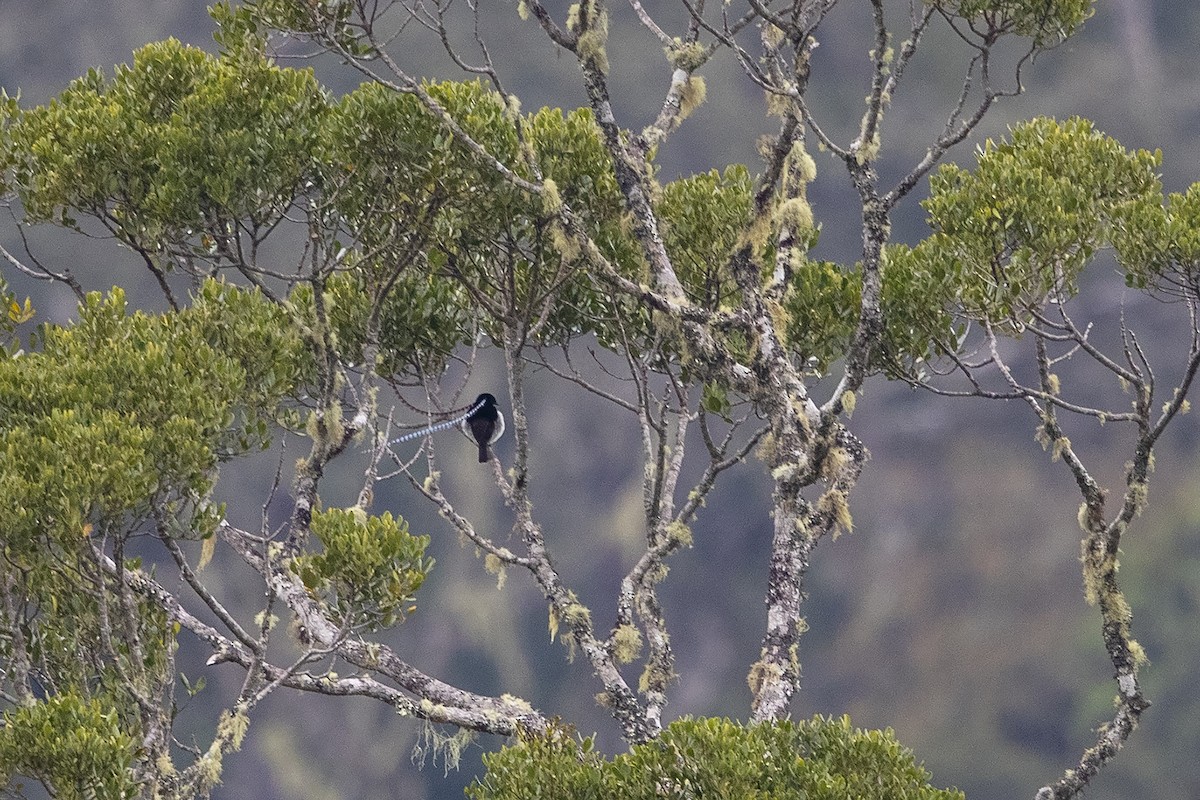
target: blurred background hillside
<point>952,614</point>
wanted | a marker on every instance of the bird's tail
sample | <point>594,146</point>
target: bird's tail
<point>441,426</point>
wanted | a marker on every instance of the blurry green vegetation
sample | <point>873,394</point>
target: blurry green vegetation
<point>821,759</point>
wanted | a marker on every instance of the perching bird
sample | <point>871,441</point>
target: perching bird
<point>484,424</point>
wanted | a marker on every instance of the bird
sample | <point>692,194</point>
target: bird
<point>484,423</point>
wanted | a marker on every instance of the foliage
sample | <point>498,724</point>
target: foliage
<point>431,218</point>
<point>822,303</point>
<point>823,299</point>
<point>114,420</point>
<point>10,108</point>
<point>1042,21</point>
<point>1032,214</point>
<point>168,143</point>
<point>388,166</point>
<point>570,153</point>
<point>249,19</point>
<point>150,403</point>
<point>14,314</point>
<point>704,217</point>
<point>821,759</point>
<point>370,567</point>
<point>1159,244</point>
<point>423,319</point>
<point>76,747</point>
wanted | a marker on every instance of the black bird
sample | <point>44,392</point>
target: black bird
<point>485,424</point>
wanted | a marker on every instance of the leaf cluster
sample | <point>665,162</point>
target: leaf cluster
<point>369,569</point>
<point>821,303</point>
<point>1158,245</point>
<point>518,256</point>
<point>1031,215</point>
<point>75,747</point>
<point>820,759</point>
<point>168,144</point>
<point>328,22</point>
<point>116,419</point>
<point>703,218</point>
<point>119,409</point>
<point>422,319</point>
<point>1046,22</point>
<point>387,165</point>
<point>182,145</point>
<point>13,314</point>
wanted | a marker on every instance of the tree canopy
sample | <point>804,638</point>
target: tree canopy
<point>329,265</point>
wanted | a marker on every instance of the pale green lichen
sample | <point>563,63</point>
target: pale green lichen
<point>1042,436</point>
<point>653,678</point>
<point>760,673</point>
<point>518,703</point>
<point>266,622</point>
<point>512,105</point>
<point>567,246</point>
<point>849,401</point>
<point>772,35</point>
<point>494,566</point>
<point>164,766</point>
<point>433,740</point>
<point>687,56</point>
<point>758,234</point>
<point>591,43</point>
<point>780,317</point>
<point>795,215</point>
<point>551,200</point>
<point>784,471</point>
<point>778,105</point>
<point>208,548</point>
<point>577,614</point>
<point>801,164</point>
<point>766,448</point>
<point>836,506</point>
<point>233,726</point>
<point>868,151</point>
<point>1139,492</point>
<point>835,462</point>
<point>794,650</point>
<point>1097,563</point>
<point>626,644</point>
<point>679,534</point>
<point>691,96</point>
